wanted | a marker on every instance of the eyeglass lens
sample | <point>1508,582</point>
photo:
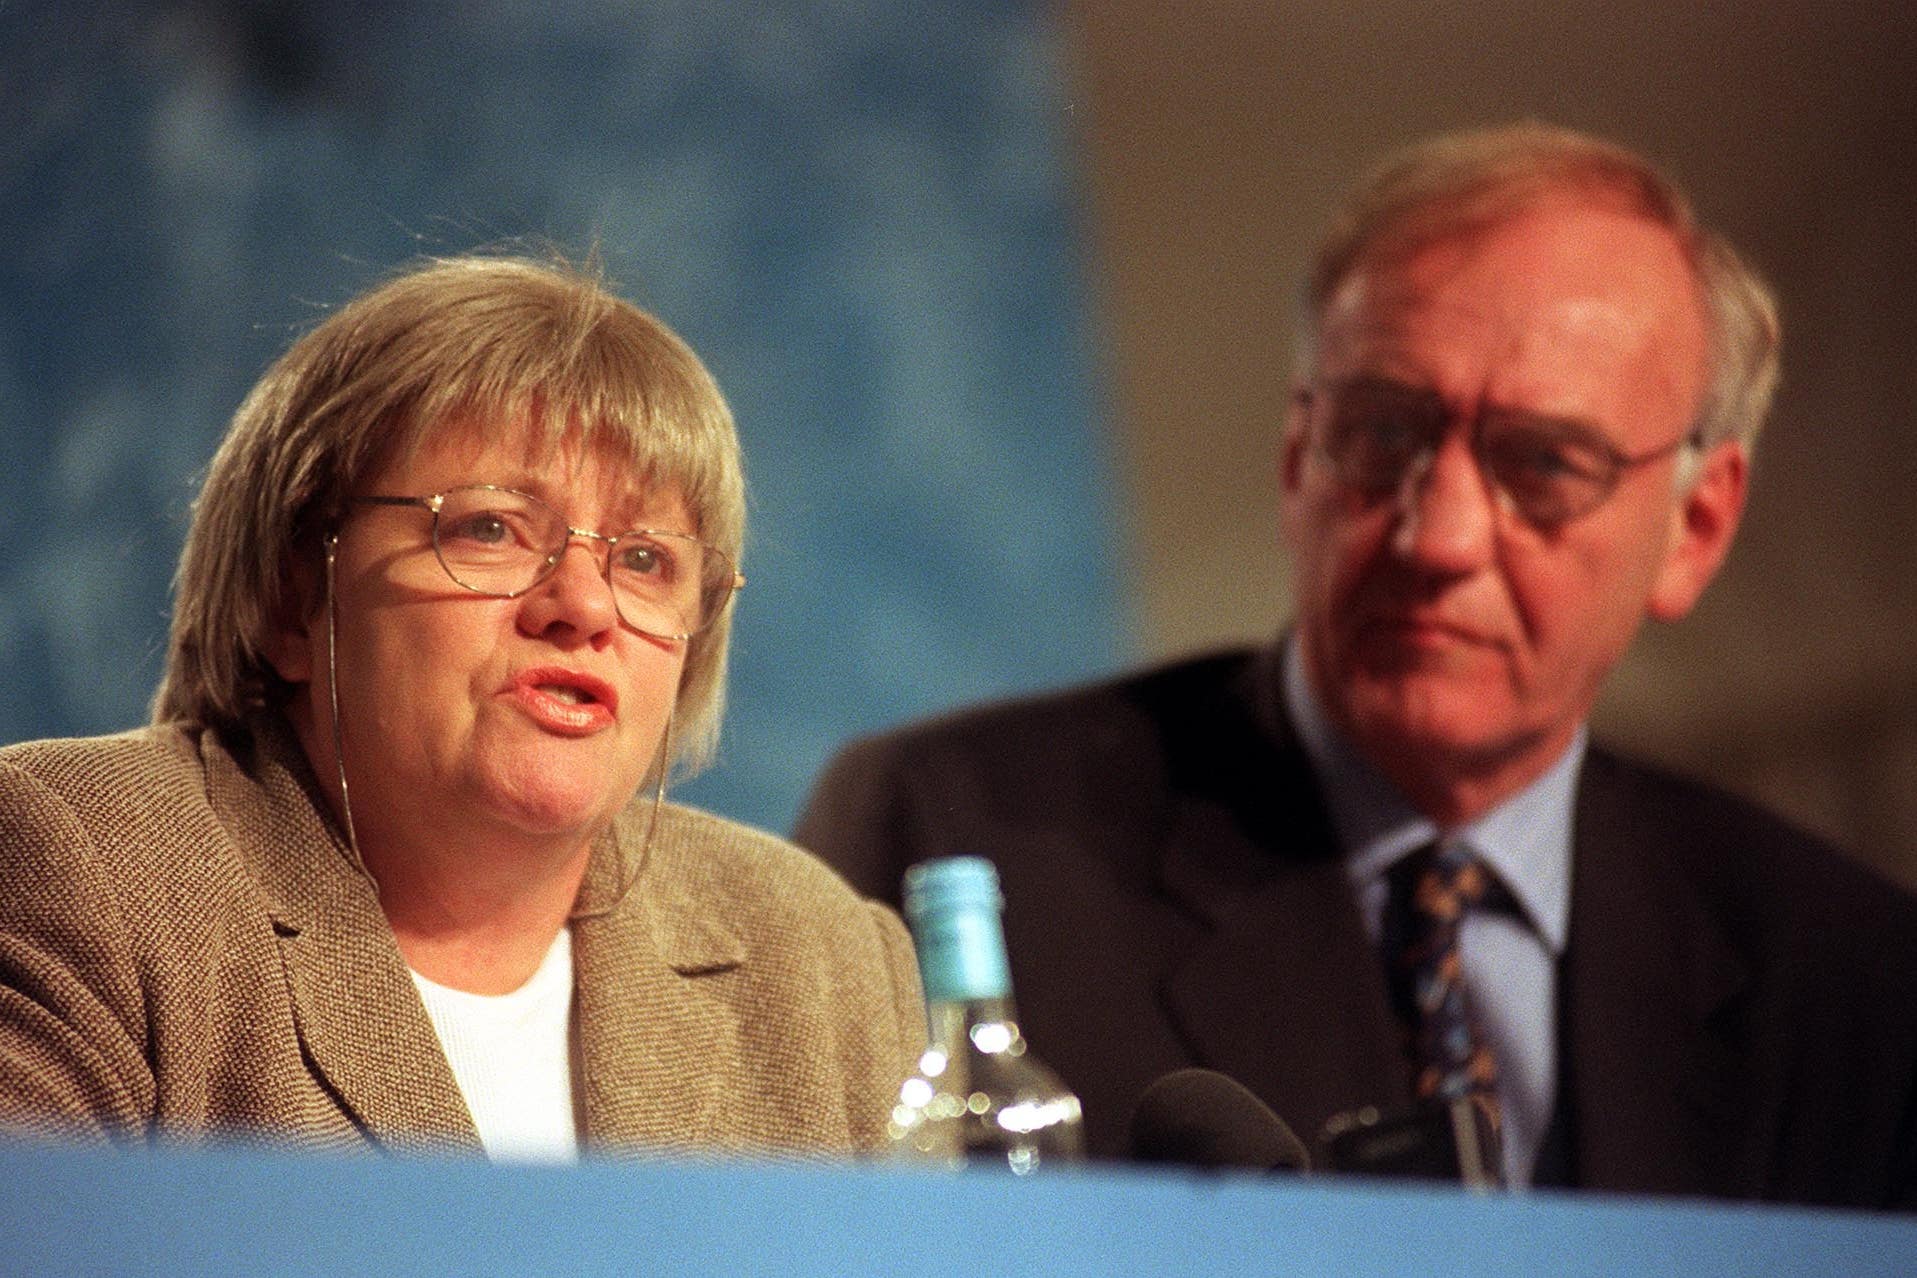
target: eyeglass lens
<point>1551,471</point>
<point>496,541</point>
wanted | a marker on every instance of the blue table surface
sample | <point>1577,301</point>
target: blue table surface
<point>66,1211</point>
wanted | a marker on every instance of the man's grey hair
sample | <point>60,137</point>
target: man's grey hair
<point>1458,183</point>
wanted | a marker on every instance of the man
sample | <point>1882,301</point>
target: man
<point>1529,388</point>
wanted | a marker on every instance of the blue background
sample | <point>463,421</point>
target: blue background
<point>862,214</point>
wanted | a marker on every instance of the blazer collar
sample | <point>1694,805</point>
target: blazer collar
<point>1285,992</point>
<point>356,1010</point>
<point>1661,1098</point>
<point>651,1013</point>
<point>645,1013</point>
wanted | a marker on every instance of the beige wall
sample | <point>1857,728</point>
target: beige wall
<point>1218,137</point>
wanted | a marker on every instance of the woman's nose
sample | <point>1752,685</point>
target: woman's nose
<point>575,597</point>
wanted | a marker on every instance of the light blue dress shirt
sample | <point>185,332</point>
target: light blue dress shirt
<point>1510,959</point>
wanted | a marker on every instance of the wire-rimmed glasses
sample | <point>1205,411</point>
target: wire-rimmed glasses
<point>1377,432</point>
<point>502,543</point>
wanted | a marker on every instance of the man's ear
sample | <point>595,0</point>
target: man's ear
<point>1702,528</point>
<point>291,644</point>
<point>1291,465</point>
<point>1291,449</point>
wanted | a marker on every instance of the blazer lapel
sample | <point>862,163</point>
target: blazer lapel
<point>655,1039</point>
<point>357,1012</point>
<point>1655,1077</point>
<point>1285,994</point>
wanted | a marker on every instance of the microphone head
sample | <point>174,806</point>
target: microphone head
<point>1204,1119</point>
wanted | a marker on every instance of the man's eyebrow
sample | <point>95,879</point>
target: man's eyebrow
<point>1385,381</point>
<point>1382,384</point>
<point>1577,430</point>
<point>1574,429</point>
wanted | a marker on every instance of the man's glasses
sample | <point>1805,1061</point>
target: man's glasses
<point>1377,433</point>
<point>502,542</point>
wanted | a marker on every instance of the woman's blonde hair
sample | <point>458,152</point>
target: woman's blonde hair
<point>483,345</point>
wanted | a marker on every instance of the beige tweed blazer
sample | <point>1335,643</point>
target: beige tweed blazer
<point>187,956</point>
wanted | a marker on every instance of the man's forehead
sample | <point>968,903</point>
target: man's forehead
<point>1511,315</point>
<point>1554,285</point>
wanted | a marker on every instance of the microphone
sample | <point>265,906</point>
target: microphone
<point>1202,1118</point>
<point>1434,1140</point>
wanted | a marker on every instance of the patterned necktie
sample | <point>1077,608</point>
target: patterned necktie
<point>1432,890</point>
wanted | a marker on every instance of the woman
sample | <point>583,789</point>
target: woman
<point>455,590</point>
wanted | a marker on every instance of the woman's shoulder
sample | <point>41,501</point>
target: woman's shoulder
<point>715,886</point>
<point>131,808</point>
<point>719,853</point>
<point>127,770</point>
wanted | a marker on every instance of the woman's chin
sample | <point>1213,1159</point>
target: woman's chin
<point>556,811</point>
<point>546,801</point>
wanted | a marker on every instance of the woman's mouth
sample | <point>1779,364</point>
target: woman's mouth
<point>568,702</point>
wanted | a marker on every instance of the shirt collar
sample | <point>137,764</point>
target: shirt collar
<point>1526,839</point>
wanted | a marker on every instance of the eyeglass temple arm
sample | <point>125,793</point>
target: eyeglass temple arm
<point>423,503</point>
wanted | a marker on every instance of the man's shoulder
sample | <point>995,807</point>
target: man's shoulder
<point>1717,821</point>
<point>1043,725</point>
<point>1102,764</point>
<point>1759,870</point>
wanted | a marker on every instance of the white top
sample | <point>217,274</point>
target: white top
<point>511,1054</point>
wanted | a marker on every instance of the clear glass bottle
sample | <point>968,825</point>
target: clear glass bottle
<point>979,1095</point>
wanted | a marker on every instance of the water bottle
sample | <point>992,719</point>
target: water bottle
<point>979,1095</point>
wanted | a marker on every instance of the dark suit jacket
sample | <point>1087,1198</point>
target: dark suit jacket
<point>1738,1004</point>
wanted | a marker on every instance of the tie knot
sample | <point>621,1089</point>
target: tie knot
<point>1446,880</point>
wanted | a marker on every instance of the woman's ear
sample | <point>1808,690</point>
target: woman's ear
<point>291,646</point>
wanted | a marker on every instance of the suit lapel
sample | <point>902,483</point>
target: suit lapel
<point>1285,993</point>
<point>358,1015</point>
<point>1656,1083</point>
<point>654,1035</point>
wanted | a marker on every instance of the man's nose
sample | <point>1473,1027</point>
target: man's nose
<point>1447,512</point>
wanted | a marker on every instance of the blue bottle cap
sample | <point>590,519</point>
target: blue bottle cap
<point>952,905</point>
